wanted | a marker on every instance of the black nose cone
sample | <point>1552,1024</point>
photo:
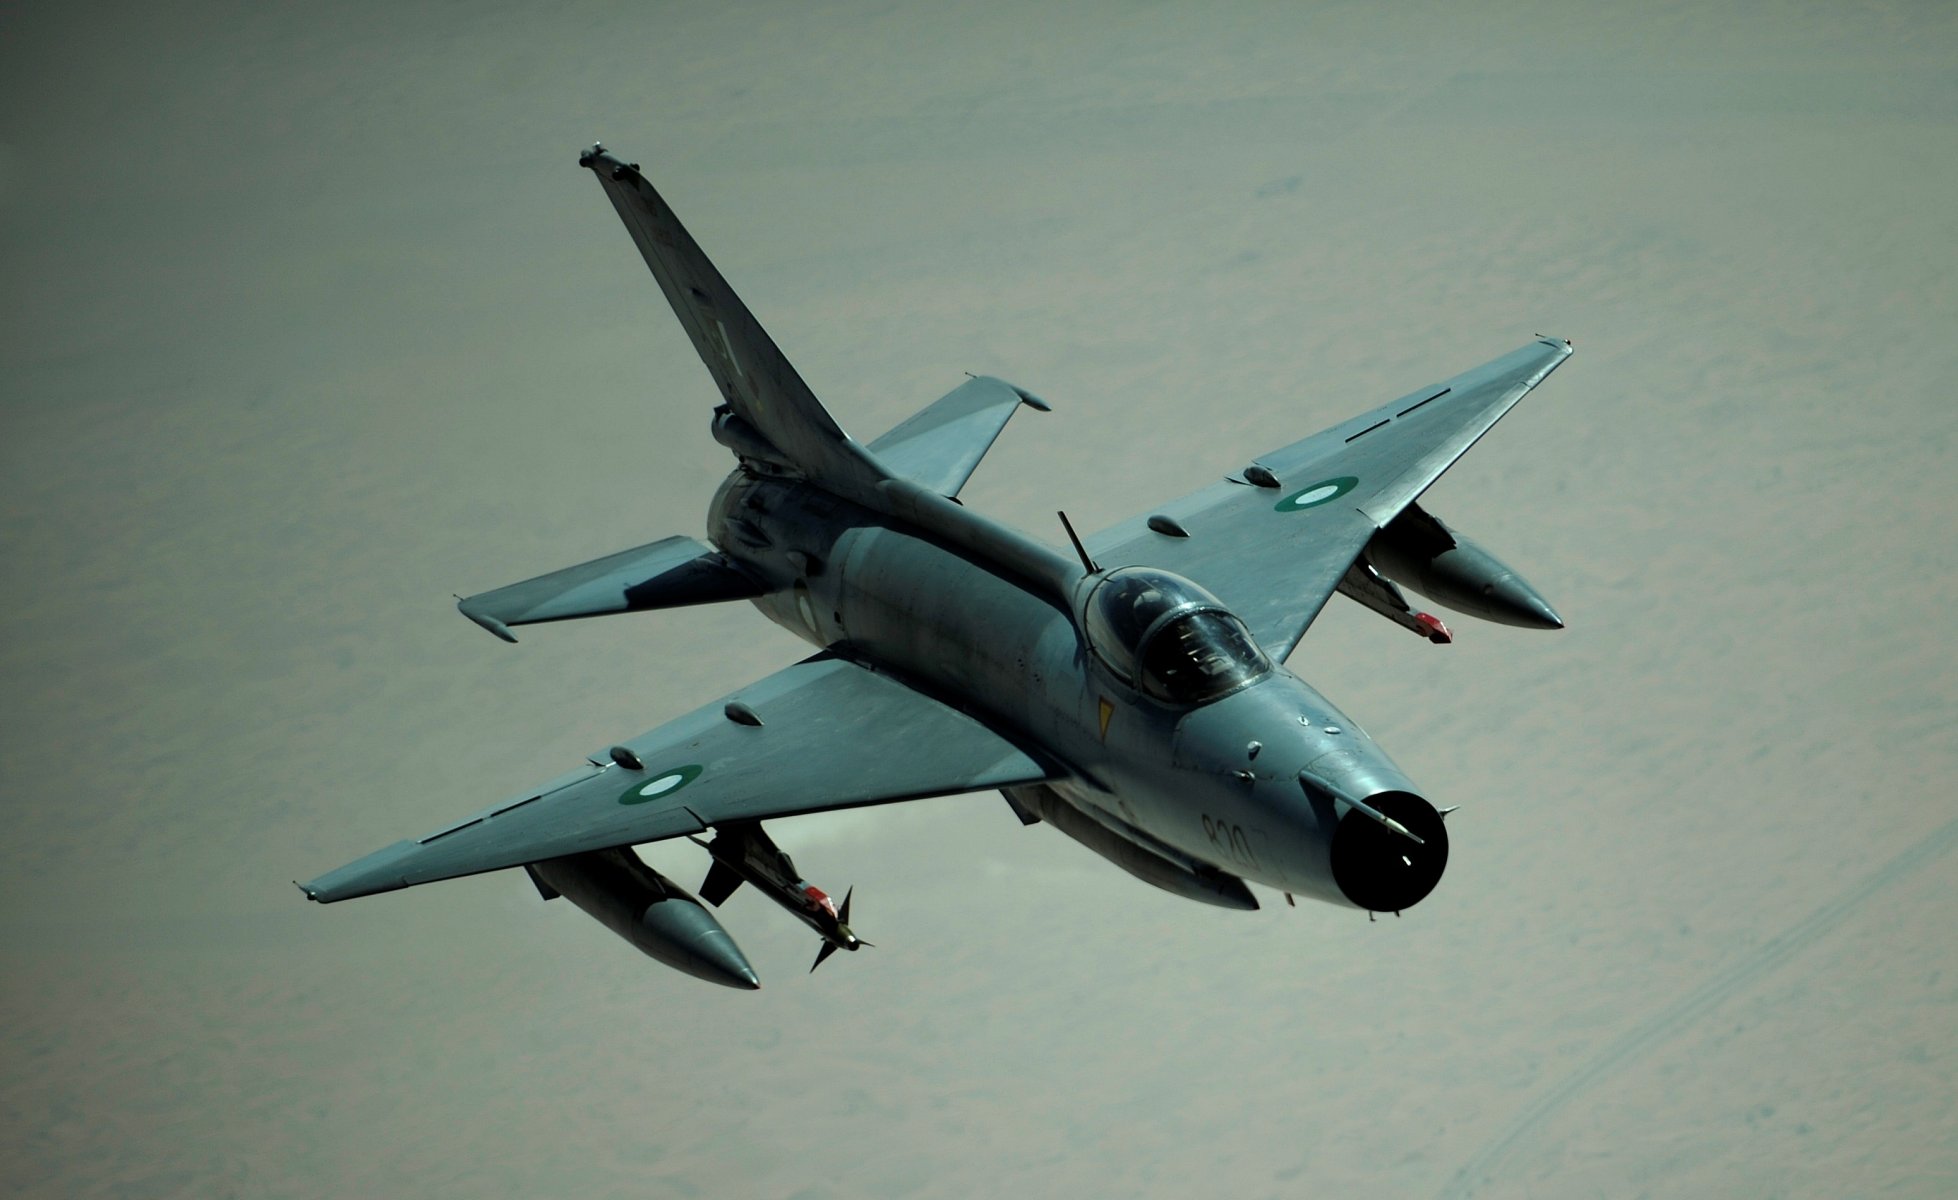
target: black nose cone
<point>1382,871</point>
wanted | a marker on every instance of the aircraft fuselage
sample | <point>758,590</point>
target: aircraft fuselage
<point>1219,783</point>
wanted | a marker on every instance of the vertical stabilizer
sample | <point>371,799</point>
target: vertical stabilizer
<point>756,382</point>
<point>773,416</point>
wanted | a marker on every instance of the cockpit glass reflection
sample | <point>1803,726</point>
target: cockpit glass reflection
<point>1127,603</point>
<point>1199,656</point>
<point>1166,635</point>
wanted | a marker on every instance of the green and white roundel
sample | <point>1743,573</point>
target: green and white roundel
<point>661,783</point>
<point>1323,492</point>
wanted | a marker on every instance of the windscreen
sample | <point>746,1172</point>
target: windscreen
<point>1126,605</point>
<point>1200,656</point>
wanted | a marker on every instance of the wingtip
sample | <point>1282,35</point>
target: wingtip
<point>486,621</point>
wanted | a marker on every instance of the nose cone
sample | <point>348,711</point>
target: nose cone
<point>686,937</point>
<point>1513,602</point>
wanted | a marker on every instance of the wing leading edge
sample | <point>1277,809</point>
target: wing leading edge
<point>1274,546</point>
<point>822,734</point>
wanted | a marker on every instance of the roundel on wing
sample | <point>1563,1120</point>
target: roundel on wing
<point>1323,492</point>
<point>661,783</point>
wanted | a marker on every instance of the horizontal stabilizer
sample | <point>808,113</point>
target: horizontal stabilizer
<point>672,573</point>
<point>941,445</point>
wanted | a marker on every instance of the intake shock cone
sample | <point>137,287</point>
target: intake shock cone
<point>1380,870</point>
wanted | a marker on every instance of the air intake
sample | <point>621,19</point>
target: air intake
<point>1381,870</point>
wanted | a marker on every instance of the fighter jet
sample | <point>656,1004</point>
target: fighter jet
<point>1132,694</point>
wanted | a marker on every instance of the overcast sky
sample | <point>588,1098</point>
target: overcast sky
<point>312,321</point>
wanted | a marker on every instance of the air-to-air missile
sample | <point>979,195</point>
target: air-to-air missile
<point>647,909</point>
<point>744,853</point>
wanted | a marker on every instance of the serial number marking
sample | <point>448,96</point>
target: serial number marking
<point>1229,839</point>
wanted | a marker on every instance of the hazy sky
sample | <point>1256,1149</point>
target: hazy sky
<point>312,321</point>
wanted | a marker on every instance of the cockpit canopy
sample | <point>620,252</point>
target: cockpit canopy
<point>1171,638</point>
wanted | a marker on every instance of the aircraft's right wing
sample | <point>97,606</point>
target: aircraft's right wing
<point>819,735</point>
<point>1274,545</point>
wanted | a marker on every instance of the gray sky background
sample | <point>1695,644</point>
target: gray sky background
<point>312,322</point>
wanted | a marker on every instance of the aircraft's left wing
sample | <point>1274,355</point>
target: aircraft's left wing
<point>1275,545</point>
<point>822,734</point>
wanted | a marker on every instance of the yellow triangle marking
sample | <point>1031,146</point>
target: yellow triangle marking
<point>1107,711</point>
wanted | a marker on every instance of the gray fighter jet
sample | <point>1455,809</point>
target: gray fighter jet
<point>1131,694</point>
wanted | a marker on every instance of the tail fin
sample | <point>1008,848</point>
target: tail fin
<point>767,399</point>
<point>754,378</point>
